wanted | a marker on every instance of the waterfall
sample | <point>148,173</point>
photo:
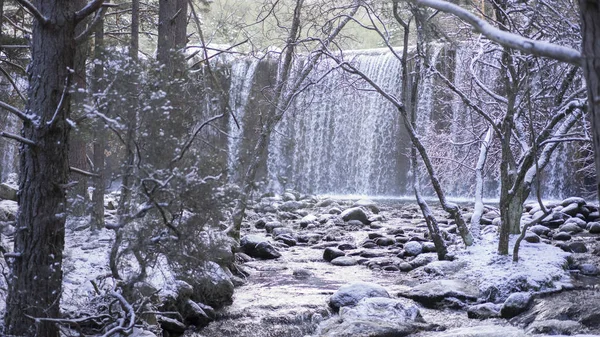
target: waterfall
<point>242,76</point>
<point>337,140</point>
<point>339,136</point>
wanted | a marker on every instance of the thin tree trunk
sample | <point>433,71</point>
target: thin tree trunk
<point>590,49</point>
<point>35,283</point>
<point>97,217</point>
<point>479,169</point>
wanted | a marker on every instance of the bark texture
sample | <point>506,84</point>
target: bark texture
<point>590,48</point>
<point>97,216</point>
<point>172,23</point>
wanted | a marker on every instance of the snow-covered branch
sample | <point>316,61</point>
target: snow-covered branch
<point>34,11</point>
<point>23,116</point>
<point>511,40</point>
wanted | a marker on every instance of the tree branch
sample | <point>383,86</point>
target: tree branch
<point>17,138</point>
<point>91,27</point>
<point>34,11</point>
<point>510,40</point>
<point>23,116</point>
<point>90,8</point>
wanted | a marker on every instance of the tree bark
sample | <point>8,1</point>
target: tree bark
<point>172,23</point>
<point>590,48</point>
<point>35,282</point>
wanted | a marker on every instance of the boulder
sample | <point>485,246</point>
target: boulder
<point>515,304</point>
<point>571,209</point>
<point>286,239</point>
<point>570,228</point>
<point>269,226</point>
<point>351,294</point>
<point>372,317</point>
<point>576,221</point>
<point>484,311</point>
<point>532,237</point>
<point>561,236</point>
<point>436,293</point>
<point>289,206</point>
<point>413,248</point>
<point>577,247</point>
<point>593,227</point>
<point>344,261</point>
<point>385,241</point>
<point>589,269</point>
<point>370,204</point>
<point>212,285</point>
<point>288,196</point>
<point>171,325</point>
<point>355,213</point>
<point>555,327</point>
<point>258,247</point>
<point>198,314</point>
<point>8,192</point>
<point>573,200</point>
<point>540,230</point>
<point>137,332</point>
<point>331,253</point>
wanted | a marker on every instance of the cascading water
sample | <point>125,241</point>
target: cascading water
<point>242,76</point>
<point>336,139</point>
<point>341,137</point>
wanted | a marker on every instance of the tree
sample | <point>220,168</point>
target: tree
<point>36,268</point>
<point>590,21</point>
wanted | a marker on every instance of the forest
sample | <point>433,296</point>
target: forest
<point>299,168</point>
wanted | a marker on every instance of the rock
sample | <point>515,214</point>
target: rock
<point>8,210</point>
<point>589,269</point>
<point>515,304</point>
<point>532,237</point>
<point>577,247</point>
<point>540,230</point>
<point>355,213</point>
<point>325,202</point>
<point>334,211</point>
<point>277,231</point>
<point>258,247</point>
<point>562,236</point>
<point>171,325</point>
<point>370,253</point>
<point>354,223</point>
<point>344,261</point>
<point>593,227</point>
<point>137,332</point>
<point>287,239</point>
<point>372,317</point>
<point>346,246</point>
<point>423,259</point>
<point>435,293</point>
<point>198,314</point>
<point>323,218</point>
<point>289,206</point>
<point>288,196</point>
<point>570,228</point>
<point>307,220</point>
<point>571,209</point>
<point>444,267</point>
<point>555,327</point>
<point>413,248</point>
<point>260,224</point>
<point>484,331</point>
<point>351,294</point>
<point>405,267</point>
<point>577,221</point>
<point>484,311</point>
<point>428,247</point>
<point>573,200</point>
<point>269,226</point>
<point>367,204</point>
<point>302,274</point>
<point>8,192</point>
<point>331,253</point>
<point>385,241</point>
<point>212,285</point>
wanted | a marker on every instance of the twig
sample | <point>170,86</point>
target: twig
<point>61,103</point>
<point>91,7</point>
<point>82,172</point>
<point>12,82</point>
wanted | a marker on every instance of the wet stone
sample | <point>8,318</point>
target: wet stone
<point>344,261</point>
<point>331,253</point>
<point>562,236</point>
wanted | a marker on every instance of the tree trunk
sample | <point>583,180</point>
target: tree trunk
<point>97,217</point>
<point>590,49</point>
<point>35,282</point>
<point>172,23</point>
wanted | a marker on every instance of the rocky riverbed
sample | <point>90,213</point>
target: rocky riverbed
<point>325,267</point>
<point>321,267</point>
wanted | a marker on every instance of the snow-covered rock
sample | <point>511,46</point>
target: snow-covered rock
<point>515,304</point>
<point>351,294</point>
<point>355,213</point>
<point>413,248</point>
<point>258,247</point>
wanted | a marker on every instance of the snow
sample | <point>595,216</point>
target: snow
<point>541,266</point>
